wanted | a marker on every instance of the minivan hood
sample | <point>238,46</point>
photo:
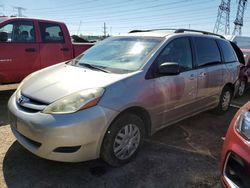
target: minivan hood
<point>55,82</point>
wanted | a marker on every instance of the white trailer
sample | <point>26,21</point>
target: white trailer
<point>242,41</point>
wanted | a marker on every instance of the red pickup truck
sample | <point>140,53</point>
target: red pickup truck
<point>29,44</point>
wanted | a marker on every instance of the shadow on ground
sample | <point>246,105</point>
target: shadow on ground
<point>155,166</point>
<point>4,97</point>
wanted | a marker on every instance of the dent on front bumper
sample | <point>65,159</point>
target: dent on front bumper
<point>70,137</point>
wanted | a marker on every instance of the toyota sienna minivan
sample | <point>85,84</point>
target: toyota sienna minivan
<point>125,88</point>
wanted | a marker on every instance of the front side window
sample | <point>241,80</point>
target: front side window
<point>177,51</point>
<point>119,54</point>
<point>51,33</point>
<point>19,31</point>
<point>207,52</point>
<point>228,51</point>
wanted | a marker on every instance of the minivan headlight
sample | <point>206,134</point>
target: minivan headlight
<point>75,102</point>
<point>243,125</point>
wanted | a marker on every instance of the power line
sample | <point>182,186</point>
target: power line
<point>136,14</point>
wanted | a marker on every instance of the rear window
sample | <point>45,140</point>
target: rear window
<point>51,33</point>
<point>207,51</point>
<point>228,51</point>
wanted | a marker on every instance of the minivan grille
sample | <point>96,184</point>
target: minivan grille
<point>28,103</point>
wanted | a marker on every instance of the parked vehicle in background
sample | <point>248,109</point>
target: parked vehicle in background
<point>28,45</point>
<point>242,41</point>
<point>244,73</point>
<point>235,161</point>
<point>107,100</point>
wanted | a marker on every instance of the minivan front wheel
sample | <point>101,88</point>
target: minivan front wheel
<point>123,139</point>
<point>225,100</point>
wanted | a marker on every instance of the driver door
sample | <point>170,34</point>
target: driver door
<point>176,94</point>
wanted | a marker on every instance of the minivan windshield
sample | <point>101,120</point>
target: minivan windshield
<point>118,54</point>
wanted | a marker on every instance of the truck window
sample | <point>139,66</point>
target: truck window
<point>18,31</point>
<point>51,33</point>
<point>228,51</point>
<point>207,51</point>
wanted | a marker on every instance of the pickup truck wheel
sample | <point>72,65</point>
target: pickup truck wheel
<point>123,139</point>
<point>242,88</point>
<point>225,101</point>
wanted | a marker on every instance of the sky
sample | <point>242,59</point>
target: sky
<point>87,17</point>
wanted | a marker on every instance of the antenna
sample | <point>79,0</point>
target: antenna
<point>222,24</point>
<point>238,23</point>
<point>104,30</point>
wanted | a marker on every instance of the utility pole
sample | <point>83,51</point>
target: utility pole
<point>238,23</point>
<point>222,24</point>
<point>104,30</point>
<point>19,11</point>
<point>79,27</point>
<point>2,13</point>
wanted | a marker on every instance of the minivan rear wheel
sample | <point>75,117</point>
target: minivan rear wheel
<point>242,88</point>
<point>123,139</point>
<point>225,101</point>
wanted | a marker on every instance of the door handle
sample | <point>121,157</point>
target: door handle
<point>30,50</point>
<point>192,77</point>
<point>202,74</point>
<point>64,49</point>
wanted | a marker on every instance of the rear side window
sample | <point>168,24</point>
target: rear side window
<point>228,51</point>
<point>51,33</point>
<point>207,51</point>
<point>17,32</point>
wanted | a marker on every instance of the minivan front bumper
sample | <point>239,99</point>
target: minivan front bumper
<point>69,137</point>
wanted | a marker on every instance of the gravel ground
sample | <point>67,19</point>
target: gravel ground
<point>186,154</point>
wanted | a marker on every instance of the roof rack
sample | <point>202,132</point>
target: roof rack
<point>179,31</point>
<point>198,31</point>
<point>148,30</point>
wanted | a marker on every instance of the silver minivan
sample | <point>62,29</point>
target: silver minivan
<point>125,88</point>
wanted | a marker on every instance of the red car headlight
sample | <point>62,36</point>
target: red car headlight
<point>243,125</point>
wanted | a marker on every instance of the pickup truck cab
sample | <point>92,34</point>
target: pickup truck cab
<point>28,45</point>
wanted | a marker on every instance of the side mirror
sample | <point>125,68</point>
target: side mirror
<point>3,37</point>
<point>169,68</point>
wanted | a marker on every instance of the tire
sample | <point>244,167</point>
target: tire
<point>225,101</point>
<point>242,88</point>
<point>118,146</point>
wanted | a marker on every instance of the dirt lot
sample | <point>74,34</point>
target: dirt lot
<point>186,154</point>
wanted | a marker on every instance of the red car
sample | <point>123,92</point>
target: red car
<point>235,159</point>
<point>244,73</point>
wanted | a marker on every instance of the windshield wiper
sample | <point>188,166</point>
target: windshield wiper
<point>93,67</point>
